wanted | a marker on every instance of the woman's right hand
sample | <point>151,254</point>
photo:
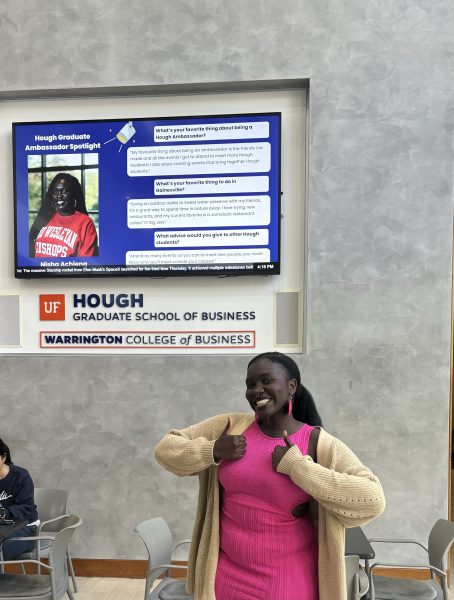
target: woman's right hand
<point>229,447</point>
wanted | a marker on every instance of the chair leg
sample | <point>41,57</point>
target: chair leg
<point>38,557</point>
<point>71,570</point>
<point>444,587</point>
<point>148,584</point>
<point>69,592</point>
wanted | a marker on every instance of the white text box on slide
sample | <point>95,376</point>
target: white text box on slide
<point>212,185</point>
<point>211,211</point>
<point>196,257</point>
<point>197,159</point>
<point>211,131</point>
<point>212,237</point>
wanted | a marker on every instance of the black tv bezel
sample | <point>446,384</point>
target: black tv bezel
<point>264,269</point>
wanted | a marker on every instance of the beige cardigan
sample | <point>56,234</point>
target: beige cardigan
<point>346,492</point>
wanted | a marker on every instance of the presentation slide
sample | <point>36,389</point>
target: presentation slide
<point>161,197</point>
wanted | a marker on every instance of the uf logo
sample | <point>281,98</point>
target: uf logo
<point>52,307</point>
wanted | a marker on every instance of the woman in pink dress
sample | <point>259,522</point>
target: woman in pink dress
<point>253,537</point>
<point>268,546</point>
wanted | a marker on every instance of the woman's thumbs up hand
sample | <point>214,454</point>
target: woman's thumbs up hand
<point>280,451</point>
<point>229,447</point>
<point>288,443</point>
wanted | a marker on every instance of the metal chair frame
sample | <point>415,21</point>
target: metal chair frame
<point>157,537</point>
<point>57,568</point>
<point>441,537</point>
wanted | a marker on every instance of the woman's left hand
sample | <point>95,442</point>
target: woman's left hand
<point>280,451</point>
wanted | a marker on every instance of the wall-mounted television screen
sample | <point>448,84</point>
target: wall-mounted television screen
<point>155,197</point>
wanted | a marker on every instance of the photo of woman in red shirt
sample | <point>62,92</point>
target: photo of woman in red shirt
<point>62,227</point>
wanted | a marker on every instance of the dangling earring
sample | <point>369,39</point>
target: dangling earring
<point>290,405</point>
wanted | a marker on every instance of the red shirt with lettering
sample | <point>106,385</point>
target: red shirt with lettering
<point>67,235</point>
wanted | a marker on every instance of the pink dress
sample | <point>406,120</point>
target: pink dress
<point>265,552</point>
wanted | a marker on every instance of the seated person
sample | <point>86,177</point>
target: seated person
<point>16,498</point>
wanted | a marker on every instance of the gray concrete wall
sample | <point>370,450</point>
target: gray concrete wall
<point>380,237</point>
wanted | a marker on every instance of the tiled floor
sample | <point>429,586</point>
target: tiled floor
<point>108,588</point>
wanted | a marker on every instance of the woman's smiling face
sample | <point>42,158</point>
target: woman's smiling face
<point>62,200</point>
<point>268,387</point>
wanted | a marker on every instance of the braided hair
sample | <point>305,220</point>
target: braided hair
<point>304,408</point>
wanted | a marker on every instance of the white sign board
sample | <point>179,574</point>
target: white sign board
<point>138,322</point>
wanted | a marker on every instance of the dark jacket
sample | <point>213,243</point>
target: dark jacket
<point>16,495</point>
